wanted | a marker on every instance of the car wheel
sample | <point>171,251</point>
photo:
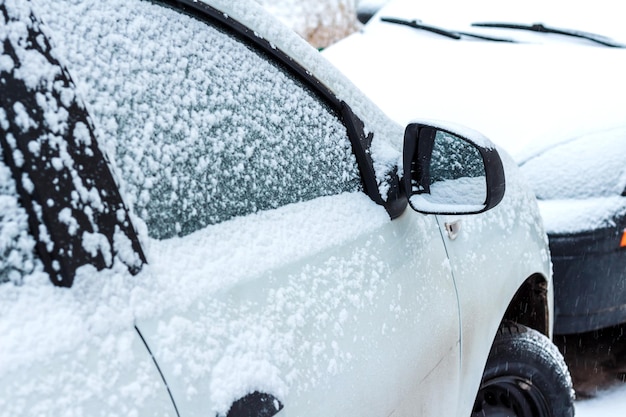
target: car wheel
<point>525,376</point>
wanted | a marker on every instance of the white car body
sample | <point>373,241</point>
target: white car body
<point>328,304</point>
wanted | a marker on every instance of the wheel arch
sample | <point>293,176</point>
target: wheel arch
<point>530,305</point>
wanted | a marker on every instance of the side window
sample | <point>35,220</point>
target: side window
<point>17,247</point>
<point>204,127</point>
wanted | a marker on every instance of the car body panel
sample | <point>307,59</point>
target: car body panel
<point>298,329</point>
<point>327,305</point>
<point>505,252</point>
<point>104,374</point>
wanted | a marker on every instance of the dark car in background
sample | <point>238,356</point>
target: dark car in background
<point>581,188</point>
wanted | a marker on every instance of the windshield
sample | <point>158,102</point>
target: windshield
<point>586,167</point>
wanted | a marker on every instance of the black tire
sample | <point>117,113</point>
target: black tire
<point>525,376</point>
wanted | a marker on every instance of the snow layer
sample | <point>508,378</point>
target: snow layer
<point>214,299</point>
<point>77,351</point>
<point>580,181</point>
<point>562,216</point>
<point>609,403</point>
<point>17,254</point>
<point>583,167</point>
<point>165,107</point>
<point>151,76</point>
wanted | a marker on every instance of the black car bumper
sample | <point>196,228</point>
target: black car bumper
<point>589,280</point>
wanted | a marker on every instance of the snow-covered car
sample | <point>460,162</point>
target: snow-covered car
<point>526,98</point>
<point>201,216</point>
<point>581,187</point>
<point>533,21</point>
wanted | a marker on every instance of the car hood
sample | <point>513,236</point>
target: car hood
<point>582,16</point>
<point>523,97</point>
<point>568,216</point>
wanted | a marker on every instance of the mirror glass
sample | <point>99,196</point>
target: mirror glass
<point>454,179</point>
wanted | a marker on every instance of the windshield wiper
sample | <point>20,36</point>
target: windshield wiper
<point>539,27</point>
<point>417,24</point>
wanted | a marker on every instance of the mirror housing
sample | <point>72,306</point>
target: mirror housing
<point>449,173</point>
<point>366,9</point>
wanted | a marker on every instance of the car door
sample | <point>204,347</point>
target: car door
<point>272,271</point>
<point>61,218</point>
<point>491,255</point>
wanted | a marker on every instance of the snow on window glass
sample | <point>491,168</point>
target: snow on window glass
<point>202,127</point>
<point>17,246</point>
<point>454,158</point>
<point>65,181</point>
<point>586,167</point>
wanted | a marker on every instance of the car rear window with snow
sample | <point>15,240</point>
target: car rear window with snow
<point>201,127</point>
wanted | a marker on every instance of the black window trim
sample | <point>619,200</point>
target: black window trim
<point>396,201</point>
<point>67,254</point>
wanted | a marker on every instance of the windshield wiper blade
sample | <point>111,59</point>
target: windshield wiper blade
<point>417,24</point>
<point>540,27</point>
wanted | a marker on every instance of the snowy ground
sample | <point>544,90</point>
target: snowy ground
<point>609,403</point>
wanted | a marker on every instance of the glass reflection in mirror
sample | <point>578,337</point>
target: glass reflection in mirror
<point>455,178</point>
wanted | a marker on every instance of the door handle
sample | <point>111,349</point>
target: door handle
<point>453,229</point>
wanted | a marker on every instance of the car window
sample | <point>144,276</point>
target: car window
<point>203,127</point>
<point>17,247</point>
<point>589,166</point>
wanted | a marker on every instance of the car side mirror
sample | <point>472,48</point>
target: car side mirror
<point>366,9</point>
<point>446,173</point>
